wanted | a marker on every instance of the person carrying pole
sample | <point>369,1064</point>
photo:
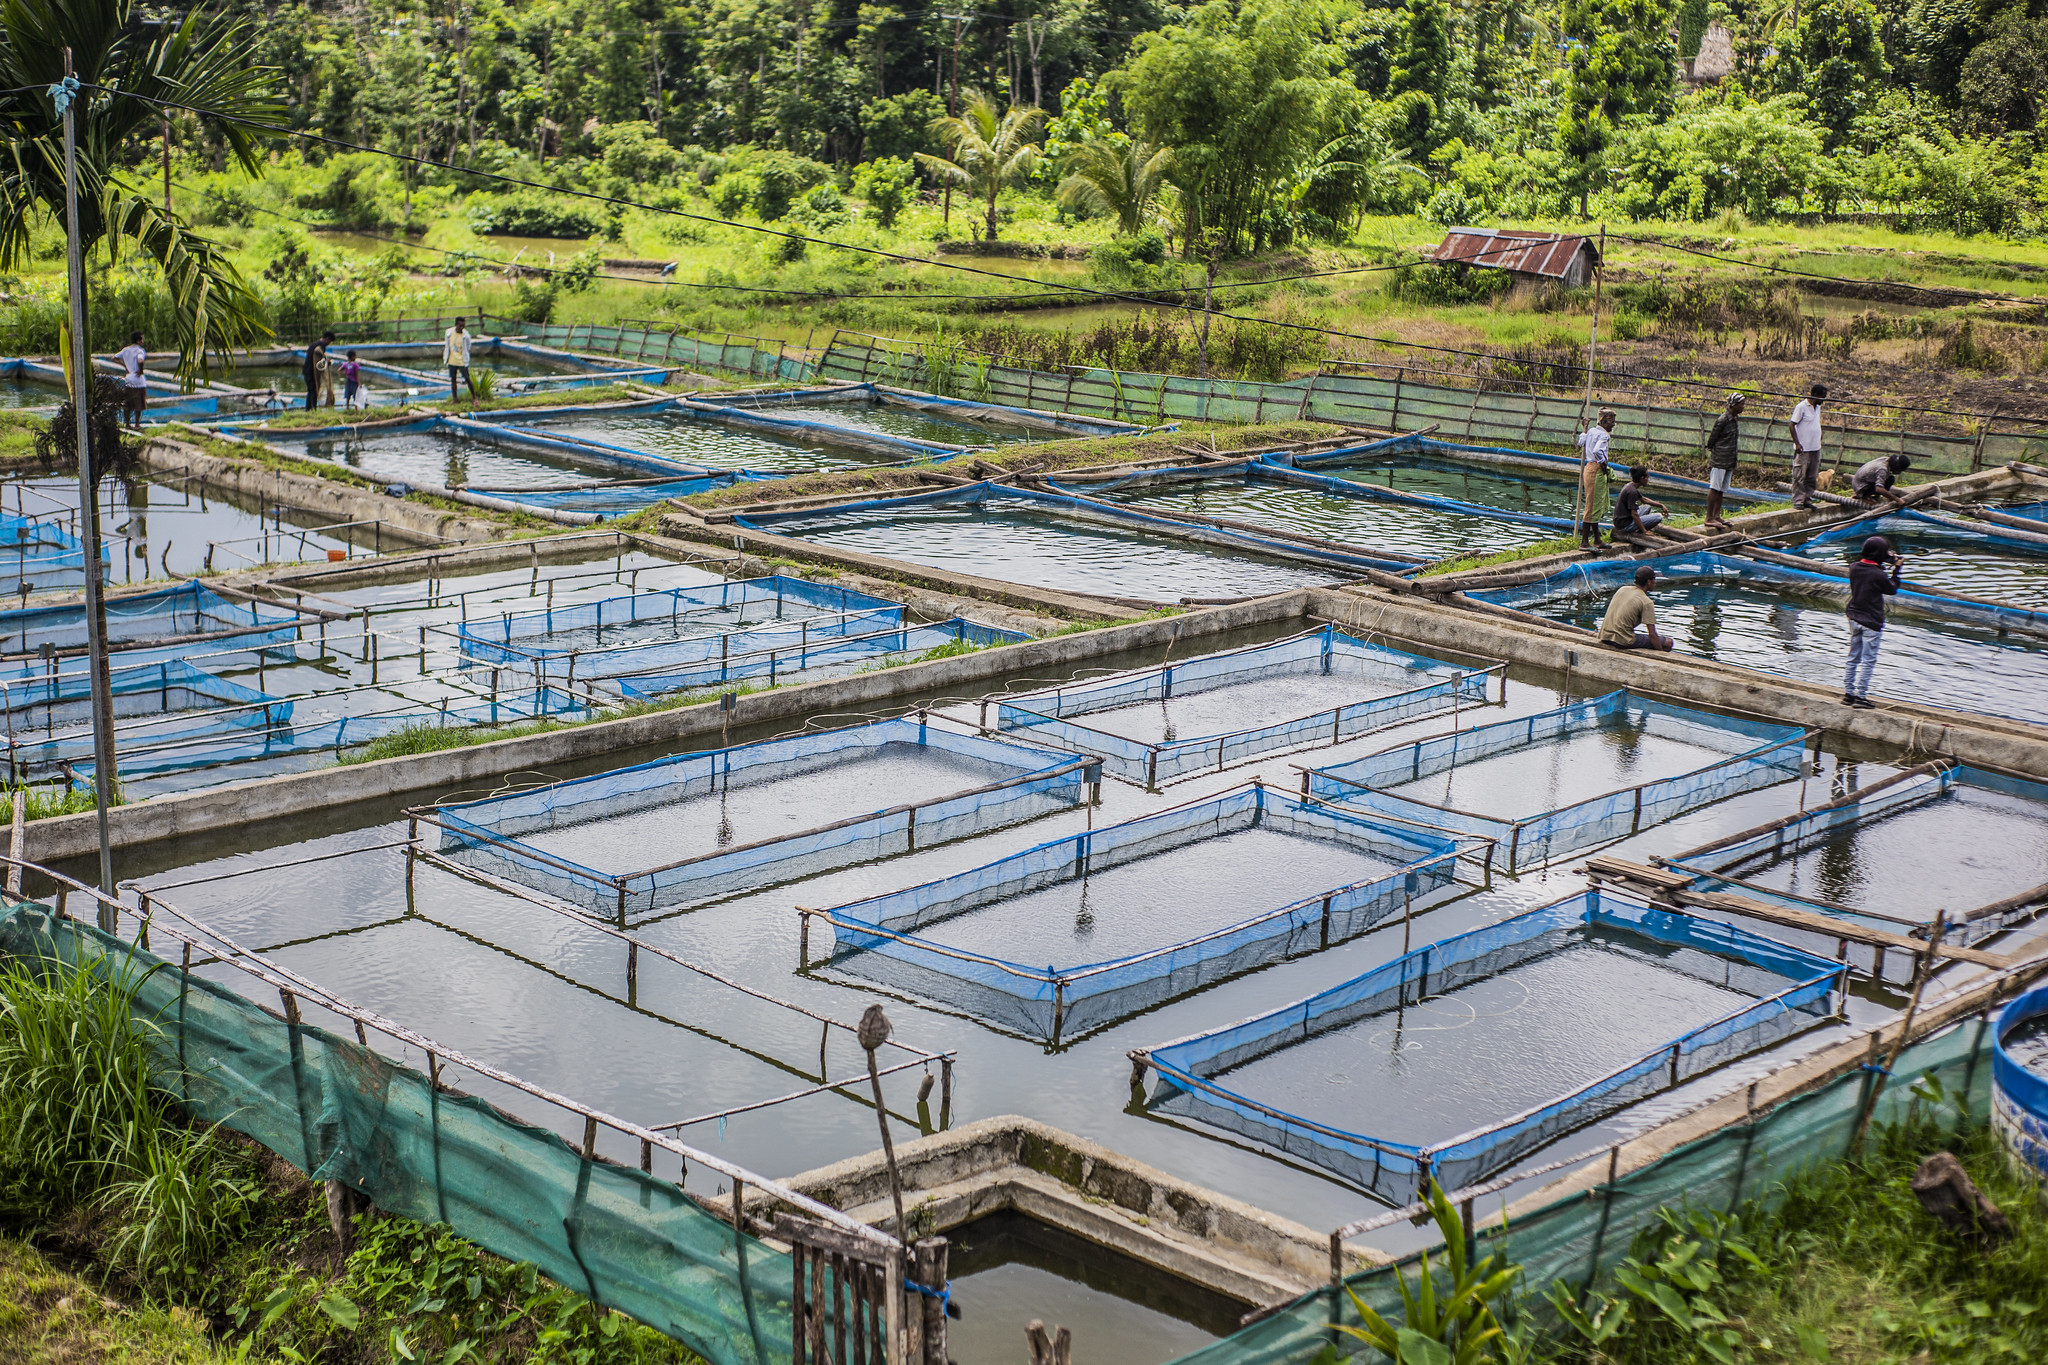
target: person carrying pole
<point>1594,441</point>
<point>1872,578</point>
<point>1804,424</point>
<point>1631,619</point>
<point>455,355</point>
<point>1723,445</point>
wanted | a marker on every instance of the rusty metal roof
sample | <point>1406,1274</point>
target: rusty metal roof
<point>1546,254</point>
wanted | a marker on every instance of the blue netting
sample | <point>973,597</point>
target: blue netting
<point>1400,687</point>
<point>2032,511</point>
<point>36,554</point>
<point>1928,528</point>
<point>250,734</point>
<point>487,834</point>
<point>169,702</point>
<point>1730,867</point>
<point>876,939</point>
<point>1608,575</point>
<point>2019,1093</point>
<point>1000,497</point>
<point>609,498</point>
<point>159,624</point>
<point>1567,466</point>
<point>1793,991</point>
<point>811,650</point>
<point>1760,753</point>
<point>673,627</point>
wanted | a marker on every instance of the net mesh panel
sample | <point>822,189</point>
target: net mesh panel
<point>246,737</point>
<point>1001,498</point>
<point>339,1111</point>
<point>1793,990</point>
<point>136,619</point>
<point>1459,457</point>
<point>1579,1236</point>
<point>1743,860</point>
<point>169,702</point>
<point>1411,685</point>
<point>1920,526</point>
<point>2019,1095</point>
<point>1705,566</point>
<point>40,553</point>
<point>622,497</point>
<point>485,834</point>
<point>1538,837</point>
<point>875,939</point>
<point>570,639</point>
<point>818,652</point>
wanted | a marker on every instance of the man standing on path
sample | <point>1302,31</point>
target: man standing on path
<point>316,359</point>
<point>1630,609</point>
<point>1723,445</point>
<point>1805,426</point>
<point>134,384</point>
<point>1593,441</point>
<point>455,355</point>
<point>1871,579</point>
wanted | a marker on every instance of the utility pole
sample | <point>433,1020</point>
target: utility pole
<point>167,163</point>
<point>65,96</point>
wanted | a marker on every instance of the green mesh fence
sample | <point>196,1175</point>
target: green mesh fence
<point>339,1111</point>
<point>1581,1235</point>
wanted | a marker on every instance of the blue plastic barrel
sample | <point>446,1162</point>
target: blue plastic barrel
<point>2019,1094</point>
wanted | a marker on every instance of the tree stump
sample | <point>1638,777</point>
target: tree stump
<point>1946,1191</point>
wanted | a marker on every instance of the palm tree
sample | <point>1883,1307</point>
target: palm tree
<point>1123,180</point>
<point>990,150</point>
<point>126,64</point>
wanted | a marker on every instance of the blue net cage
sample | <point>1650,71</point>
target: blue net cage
<point>166,704</point>
<point>36,553</point>
<point>1913,525</point>
<point>1791,991</point>
<point>671,627</point>
<point>1747,867</point>
<point>1757,754</point>
<point>773,656</point>
<point>159,624</point>
<point>692,805</point>
<point>891,939</point>
<point>1393,686</point>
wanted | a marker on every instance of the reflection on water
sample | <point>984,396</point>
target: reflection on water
<point>1964,667</point>
<point>21,393</point>
<point>1506,487</point>
<point>1418,531</point>
<point>1026,546</point>
<point>456,458</point>
<point>1935,566</point>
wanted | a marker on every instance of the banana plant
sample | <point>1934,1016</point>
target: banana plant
<point>1445,1320</point>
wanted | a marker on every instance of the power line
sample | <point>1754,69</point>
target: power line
<point>1050,285</point>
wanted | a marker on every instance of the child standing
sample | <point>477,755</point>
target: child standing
<point>351,380</point>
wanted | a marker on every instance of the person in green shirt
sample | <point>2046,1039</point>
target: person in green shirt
<point>1631,619</point>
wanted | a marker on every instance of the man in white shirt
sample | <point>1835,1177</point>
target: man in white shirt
<point>134,385</point>
<point>455,355</point>
<point>1805,427</point>
<point>1592,478</point>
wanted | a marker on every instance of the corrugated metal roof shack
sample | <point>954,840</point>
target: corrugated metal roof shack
<point>1537,257</point>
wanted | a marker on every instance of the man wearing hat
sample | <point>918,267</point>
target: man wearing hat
<point>1722,446</point>
<point>1872,578</point>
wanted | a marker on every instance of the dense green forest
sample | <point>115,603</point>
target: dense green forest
<point>1285,119</point>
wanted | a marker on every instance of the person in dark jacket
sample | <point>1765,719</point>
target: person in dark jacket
<point>1872,578</point>
<point>1722,444</point>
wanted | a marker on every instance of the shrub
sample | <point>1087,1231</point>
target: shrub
<point>887,185</point>
<point>533,214</point>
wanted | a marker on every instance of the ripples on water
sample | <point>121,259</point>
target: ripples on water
<point>1934,566</point>
<point>1418,531</point>
<point>1043,551</point>
<point>1508,488</point>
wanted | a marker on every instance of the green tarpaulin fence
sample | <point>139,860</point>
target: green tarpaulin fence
<point>338,1110</point>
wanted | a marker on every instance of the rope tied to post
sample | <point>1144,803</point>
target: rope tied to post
<point>944,1294</point>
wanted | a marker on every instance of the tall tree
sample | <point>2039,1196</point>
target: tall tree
<point>990,149</point>
<point>1621,63</point>
<point>1420,80</point>
<point>126,67</point>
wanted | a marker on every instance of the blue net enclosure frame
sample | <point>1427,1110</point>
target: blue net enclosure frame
<point>1608,575</point>
<point>1777,754</point>
<point>37,553</point>
<point>485,834</point>
<point>157,624</point>
<point>1411,686</point>
<point>1793,991</point>
<point>1004,498</point>
<point>1456,455</point>
<point>169,702</point>
<point>523,640</point>
<point>876,939</point>
<point>809,651</point>
<point>2019,1093</point>
<point>1924,526</point>
<point>1719,866</point>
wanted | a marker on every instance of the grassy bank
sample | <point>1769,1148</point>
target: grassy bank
<point>132,1235</point>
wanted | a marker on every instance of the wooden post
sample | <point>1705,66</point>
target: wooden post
<point>874,1031</point>
<point>1921,971</point>
<point>17,843</point>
